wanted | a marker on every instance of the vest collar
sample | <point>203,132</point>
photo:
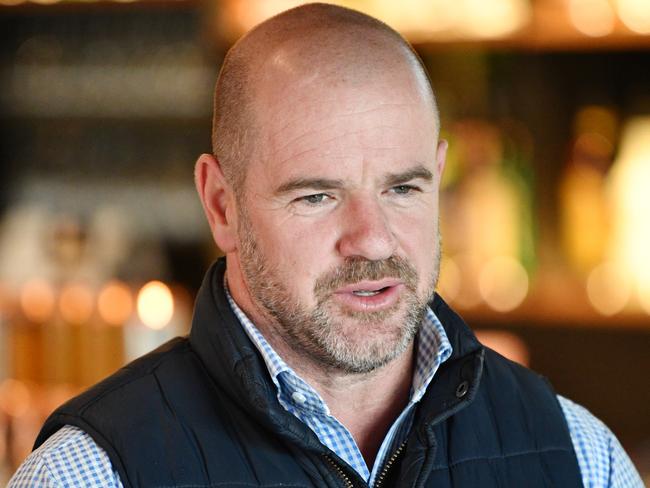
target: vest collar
<point>235,364</point>
<point>458,379</point>
<point>237,367</point>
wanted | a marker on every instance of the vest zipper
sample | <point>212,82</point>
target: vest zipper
<point>346,479</point>
<point>384,472</point>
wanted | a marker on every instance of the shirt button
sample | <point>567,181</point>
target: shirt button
<point>299,398</point>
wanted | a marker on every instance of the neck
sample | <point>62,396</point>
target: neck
<point>366,404</point>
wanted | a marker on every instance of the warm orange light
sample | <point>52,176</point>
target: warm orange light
<point>76,303</point>
<point>468,266</point>
<point>594,18</point>
<point>494,18</point>
<point>37,300</point>
<point>506,344</point>
<point>4,298</point>
<point>248,14</point>
<point>635,14</point>
<point>115,303</point>
<point>608,288</point>
<point>629,181</point>
<point>503,283</point>
<point>14,397</point>
<point>644,296</point>
<point>449,283</point>
<point>155,305</point>
<point>416,19</point>
<point>598,119</point>
<point>585,229</point>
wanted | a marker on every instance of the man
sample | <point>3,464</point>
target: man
<point>319,354</point>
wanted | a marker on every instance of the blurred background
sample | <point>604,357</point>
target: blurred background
<point>104,107</point>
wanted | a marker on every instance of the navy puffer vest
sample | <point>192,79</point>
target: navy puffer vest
<point>203,412</point>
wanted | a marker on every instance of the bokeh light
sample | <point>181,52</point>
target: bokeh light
<point>76,303</point>
<point>155,305</point>
<point>629,181</point>
<point>635,14</point>
<point>115,303</point>
<point>14,397</point>
<point>608,288</point>
<point>494,18</point>
<point>416,18</point>
<point>503,283</point>
<point>37,300</point>
<point>450,280</point>
<point>594,18</point>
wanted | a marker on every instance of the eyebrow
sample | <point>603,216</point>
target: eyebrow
<point>418,172</point>
<point>313,183</point>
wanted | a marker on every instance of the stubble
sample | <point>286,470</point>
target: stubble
<point>332,336</point>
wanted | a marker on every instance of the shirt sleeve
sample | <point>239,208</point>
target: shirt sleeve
<point>602,460</point>
<point>69,458</point>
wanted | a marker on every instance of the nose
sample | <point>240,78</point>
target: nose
<point>366,231</point>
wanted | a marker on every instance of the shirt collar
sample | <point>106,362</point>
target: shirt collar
<point>432,349</point>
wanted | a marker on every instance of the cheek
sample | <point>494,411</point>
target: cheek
<point>417,232</point>
<point>418,239</point>
<point>299,253</point>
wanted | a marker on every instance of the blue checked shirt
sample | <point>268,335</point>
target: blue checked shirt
<point>70,458</point>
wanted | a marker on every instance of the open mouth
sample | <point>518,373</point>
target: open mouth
<point>370,293</point>
<point>370,296</point>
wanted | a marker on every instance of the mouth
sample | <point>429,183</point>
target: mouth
<point>369,293</point>
<point>370,296</point>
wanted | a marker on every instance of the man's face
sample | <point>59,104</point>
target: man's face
<point>339,218</point>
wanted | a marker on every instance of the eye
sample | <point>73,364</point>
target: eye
<point>315,199</point>
<point>404,189</point>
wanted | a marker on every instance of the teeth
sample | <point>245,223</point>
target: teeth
<point>366,293</point>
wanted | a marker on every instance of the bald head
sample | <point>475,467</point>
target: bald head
<point>314,46</point>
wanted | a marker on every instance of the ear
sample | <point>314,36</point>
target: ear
<point>218,201</point>
<point>441,157</point>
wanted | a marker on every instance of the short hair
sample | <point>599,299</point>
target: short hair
<point>234,128</point>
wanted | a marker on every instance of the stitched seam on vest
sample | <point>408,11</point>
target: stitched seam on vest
<point>196,448</point>
<point>506,456</point>
<point>149,371</point>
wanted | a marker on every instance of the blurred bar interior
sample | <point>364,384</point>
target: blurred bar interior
<point>545,208</point>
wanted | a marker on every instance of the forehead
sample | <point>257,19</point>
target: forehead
<point>329,121</point>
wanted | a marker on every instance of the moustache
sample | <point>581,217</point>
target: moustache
<point>354,270</point>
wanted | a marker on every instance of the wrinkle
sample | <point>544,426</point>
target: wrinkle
<point>294,122</point>
<point>326,141</point>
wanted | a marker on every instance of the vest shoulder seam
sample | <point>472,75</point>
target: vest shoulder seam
<point>135,375</point>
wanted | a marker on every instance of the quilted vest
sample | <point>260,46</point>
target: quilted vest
<point>202,411</point>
